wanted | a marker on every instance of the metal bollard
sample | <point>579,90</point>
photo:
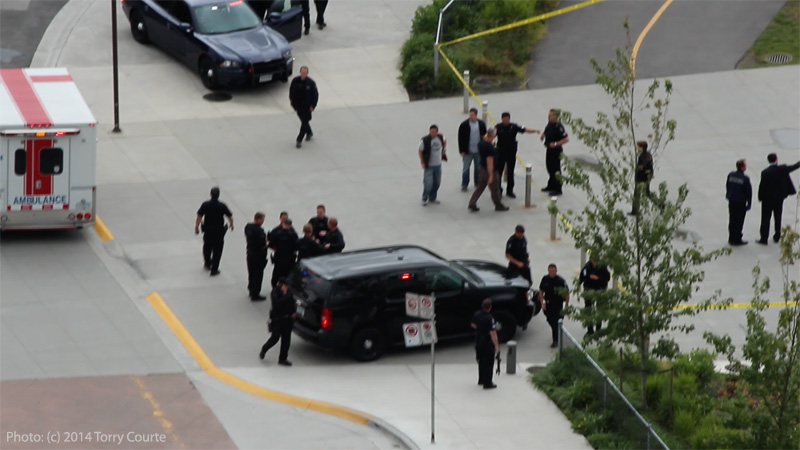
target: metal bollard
<point>528,182</point>
<point>466,91</point>
<point>560,337</point>
<point>553,217</point>
<point>511,358</point>
<point>485,110</point>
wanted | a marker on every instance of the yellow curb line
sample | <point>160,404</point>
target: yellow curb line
<point>102,230</point>
<point>208,366</point>
<point>644,32</point>
<point>738,305</point>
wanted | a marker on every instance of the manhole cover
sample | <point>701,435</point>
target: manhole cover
<point>778,58</point>
<point>217,97</point>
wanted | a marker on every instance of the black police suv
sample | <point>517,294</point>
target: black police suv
<point>355,301</point>
<point>224,41</point>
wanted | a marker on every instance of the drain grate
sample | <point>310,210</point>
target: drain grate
<point>778,58</point>
<point>217,97</point>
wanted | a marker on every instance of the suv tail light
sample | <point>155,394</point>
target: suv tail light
<point>326,321</point>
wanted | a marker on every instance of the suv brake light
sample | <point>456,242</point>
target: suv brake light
<point>326,321</point>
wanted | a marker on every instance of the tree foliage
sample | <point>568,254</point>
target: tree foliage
<point>654,276</point>
<point>770,365</point>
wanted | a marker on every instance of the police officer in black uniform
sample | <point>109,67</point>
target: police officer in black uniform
<point>486,343</point>
<point>281,319</point>
<point>211,215</point>
<point>307,246</point>
<point>333,242</point>
<point>554,137</point>
<point>642,175</point>
<point>303,96</point>
<point>594,277</point>
<point>507,149</point>
<point>517,253</point>
<point>554,296</point>
<point>284,242</point>
<point>739,193</point>
<point>319,222</point>
<point>256,256</point>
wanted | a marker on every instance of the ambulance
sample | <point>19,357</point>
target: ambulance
<point>48,151</point>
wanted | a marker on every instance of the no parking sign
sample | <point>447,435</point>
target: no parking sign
<point>412,335</point>
<point>428,333</point>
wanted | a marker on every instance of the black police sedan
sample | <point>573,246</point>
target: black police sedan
<point>355,301</point>
<point>224,41</point>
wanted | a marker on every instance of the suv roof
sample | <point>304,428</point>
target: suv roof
<point>373,260</point>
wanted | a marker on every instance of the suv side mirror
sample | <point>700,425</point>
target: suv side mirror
<point>186,27</point>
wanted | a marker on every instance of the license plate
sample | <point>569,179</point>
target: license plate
<point>301,310</point>
<point>265,78</point>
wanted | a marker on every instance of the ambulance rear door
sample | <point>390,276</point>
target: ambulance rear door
<point>38,173</point>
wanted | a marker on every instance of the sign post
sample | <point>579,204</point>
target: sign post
<point>423,333</point>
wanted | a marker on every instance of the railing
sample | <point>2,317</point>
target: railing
<point>629,422</point>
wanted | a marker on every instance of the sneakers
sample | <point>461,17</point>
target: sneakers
<point>285,362</point>
<point>776,239</point>
<point>214,273</point>
<point>489,386</point>
<point>435,202</point>
<point>501,208</point>
<point>738,243</point>
<point>257,298</point>
<point>554,345</point>
<point>545,189</point>
<point>511,195</point>
<point>424,203</point>
<point>762,242</point>
<point>473,208</point>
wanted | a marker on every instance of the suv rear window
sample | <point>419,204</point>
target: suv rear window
<point>357,290</point>
<point>308,284</point>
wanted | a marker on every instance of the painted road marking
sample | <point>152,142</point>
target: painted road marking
<point>158,413</point>
<point>644,32</point>
<point>194,349</point>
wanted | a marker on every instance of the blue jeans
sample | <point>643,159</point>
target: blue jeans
<point>431,180</point>
<point>469,158</point>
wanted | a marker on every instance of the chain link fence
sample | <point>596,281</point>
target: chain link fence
<point>618,413</point>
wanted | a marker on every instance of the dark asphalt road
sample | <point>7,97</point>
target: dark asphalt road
<point>22,24</point>
<point>692,36</point>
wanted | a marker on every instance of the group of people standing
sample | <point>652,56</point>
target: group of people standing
<point>476,145</point>
<point>321,235</point>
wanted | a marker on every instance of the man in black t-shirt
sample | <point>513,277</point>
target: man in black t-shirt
<point>319,222</point>
<point>256,256</point>
<point>283,241</point>
<point>554,296</point>
<point>507,149</point>
<point>487,174</point>
<point>486,343</point>
<point>594,277</point>
<point>554,136</point>
<point>211,214</point>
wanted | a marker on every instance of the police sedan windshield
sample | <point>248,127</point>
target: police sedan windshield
<point>225,18</point>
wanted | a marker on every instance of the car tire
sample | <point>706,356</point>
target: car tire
<point>138,30</point>
<point>367,344</point>
<point>506,326</point>
<point>207,73</point>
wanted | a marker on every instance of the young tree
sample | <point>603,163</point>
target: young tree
<point>770,372</point>
<point>654,275</point>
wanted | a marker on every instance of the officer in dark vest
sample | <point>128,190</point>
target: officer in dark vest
<point>739,194</point>
<point>211,218</point>
<point>256,256</point>
<point>281,320</point>
<point>554,296</point>
<point>517,253</point>
<point>284,242</point>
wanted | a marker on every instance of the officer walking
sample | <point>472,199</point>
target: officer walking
<point>554,137</point>
<point>642,175</point>
<point>487,174</point>
<point>554,296</point>
<point>281,319</point>
<point>256,256</point>
<point>307,246</point>
<point>739,194</point>
<point>303,96</point>
<point>776,184</point>
<point>284,242</point>
<point>334,240</point>
<point>486,343</point>
<point>517,253</point>
<point>210,217</point>
<point>594,277</point>
<point>319,222</point>
<point>507,149</point>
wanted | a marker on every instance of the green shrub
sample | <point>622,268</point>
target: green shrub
<point>684,423</point>
<point>503,54</point>
<point>699,363</point>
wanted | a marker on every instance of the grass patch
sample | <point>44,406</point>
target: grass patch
<point>782,35</point>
